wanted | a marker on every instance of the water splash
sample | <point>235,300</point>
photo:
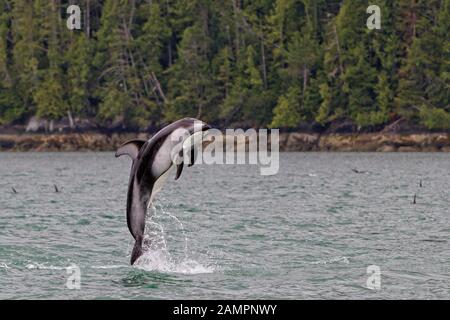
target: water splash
<point>42,266</point>
<point>157,256</point>
<point>162,261</point>
<point>333,260</point>
<point>181,227</point>
<point>113,266</point>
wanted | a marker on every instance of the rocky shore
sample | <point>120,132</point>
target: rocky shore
<point>366,142</point>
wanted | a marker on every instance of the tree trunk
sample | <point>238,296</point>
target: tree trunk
<point>236,26</point>
<point>169,49</point>
<point>264,67</point>
<point>341,67</point>
<point>199,113</point>
<point>88,18</point>
<point>71,122</point>
<point>305,78</point>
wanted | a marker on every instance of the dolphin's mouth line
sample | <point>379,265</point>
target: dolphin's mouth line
<point>206,127</point>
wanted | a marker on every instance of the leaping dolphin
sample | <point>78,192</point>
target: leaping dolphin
<point>152,160</point>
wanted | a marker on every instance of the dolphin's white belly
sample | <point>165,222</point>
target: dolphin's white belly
<point>157,186</point>
<point>168,151</point>
<point>163,162</point>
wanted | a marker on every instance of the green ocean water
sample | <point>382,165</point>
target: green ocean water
<point>226,232</point>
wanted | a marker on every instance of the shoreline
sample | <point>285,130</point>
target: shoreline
<point>290,142</point>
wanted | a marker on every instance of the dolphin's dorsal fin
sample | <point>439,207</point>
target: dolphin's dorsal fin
<point>130,148</point>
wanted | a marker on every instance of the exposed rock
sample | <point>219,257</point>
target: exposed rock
<point>36,124</point>
<point>288,142</point>
<point>342,126</point>
<point>387,148</point>
<point>430,149</point>
<point>335,142</point>
<point>442,140</point>
<point>6,144</point>
<point>402,125</point>
<point>300,142</point>
<point>409,149</point>
<point>85,125</point>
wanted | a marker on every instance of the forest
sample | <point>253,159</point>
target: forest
<point>288,64</point>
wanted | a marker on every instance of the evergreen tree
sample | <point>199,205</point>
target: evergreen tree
<point>191,87</point>
<point>5,16</point>
<point>283,63</point>
<point>49,94</point>
<point>423,91</point>
<point>25,53</point>
<point>79,76</point>
<point>10,106</point>
<point>287,112</point>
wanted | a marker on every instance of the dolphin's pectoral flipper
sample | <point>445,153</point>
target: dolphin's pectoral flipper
<point>190,161</point>
<point>180,164</point>
<point>179,170</point>
<point>130,148</point>
<point>193,157</point>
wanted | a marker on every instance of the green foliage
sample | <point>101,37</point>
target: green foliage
<point>423,86</point>
<point>287,112</point>
<point>79,76</point>
<point>11,108</point>
<point>49,97</point>
<point>5,16</point>
<point>251,63</point>
<point>115,105</point>
<point>434,118</point>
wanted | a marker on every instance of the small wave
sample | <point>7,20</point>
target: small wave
<point>160,261</point>
<point>3,266</point>
<point>44,267</point>
<point>434,240</point>
<point>333,260</point>
<point>110,267</point>
<point>40,266</point>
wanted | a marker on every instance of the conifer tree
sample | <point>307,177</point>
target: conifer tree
<point>138,64</point>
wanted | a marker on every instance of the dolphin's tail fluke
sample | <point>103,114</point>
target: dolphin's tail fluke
<point>137,249</point>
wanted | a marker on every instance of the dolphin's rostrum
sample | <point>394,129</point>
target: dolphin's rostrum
<point>152,160</point>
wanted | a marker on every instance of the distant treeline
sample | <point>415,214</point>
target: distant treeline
<point>276,63</point>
